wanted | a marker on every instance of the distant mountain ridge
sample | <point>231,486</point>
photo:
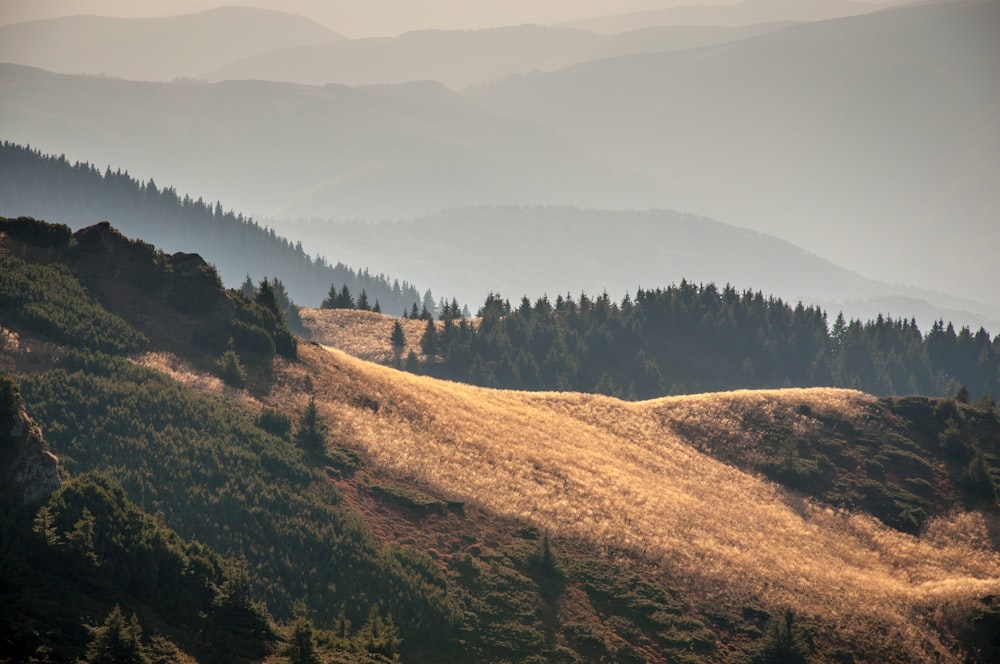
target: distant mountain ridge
<point>562,250</point>
<point>461,58</point>
<point>746,12</point>
<point>155,48</point>
<point>871,140</point>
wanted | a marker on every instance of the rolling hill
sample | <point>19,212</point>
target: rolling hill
<point>870,140</point>
<point>154,49</point>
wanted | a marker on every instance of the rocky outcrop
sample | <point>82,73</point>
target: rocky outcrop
<point>27,468</point>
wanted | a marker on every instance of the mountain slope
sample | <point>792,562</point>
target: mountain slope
<point>154,48</point>
<point>870,140</point>
<point>497,525</point>
<point>625,479</point>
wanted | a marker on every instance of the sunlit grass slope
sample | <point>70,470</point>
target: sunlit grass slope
<point>622,477</point>
<point>362,333</point>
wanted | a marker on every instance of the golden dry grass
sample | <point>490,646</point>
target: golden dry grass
<point>628,478</point>
<point>362,334</point>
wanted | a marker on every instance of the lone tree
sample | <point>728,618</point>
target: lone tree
<point>397,338</point>
<point>311,435</point>
<point>362,304</point>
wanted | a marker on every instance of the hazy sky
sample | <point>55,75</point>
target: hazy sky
<point>358,18</point>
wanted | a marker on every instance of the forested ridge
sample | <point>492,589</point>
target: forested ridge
<point>690,338</point>
<point>79,194</point>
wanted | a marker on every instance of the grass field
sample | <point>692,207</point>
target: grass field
<point>628,479</point>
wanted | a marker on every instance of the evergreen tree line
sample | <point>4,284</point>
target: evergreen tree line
<point>79,194</point>
<point>692,338</point>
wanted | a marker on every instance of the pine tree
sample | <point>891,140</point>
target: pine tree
<point>397,338</point>
<point>231,370</point>
<point>117,641</point>
<point>302,649</point>
<point>429,340</point>
<point>247,289</point>
<point>330,302</point>
<point>344,299</point>
<point>311,435</point>
<point>362,304</point>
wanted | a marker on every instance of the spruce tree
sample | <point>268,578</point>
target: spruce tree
<point>330,302</point>
<point>397,338</point>
<point>344,299</point>
<point>302,649</point>
<point>362,304</point>
<point>311,435</point>
<point>429,341</point>
<point>117,641</point>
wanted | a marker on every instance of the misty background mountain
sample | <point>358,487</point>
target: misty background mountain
<point>870,141</point>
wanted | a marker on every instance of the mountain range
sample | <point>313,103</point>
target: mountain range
<point>155,49</point>
<point>868,140</point>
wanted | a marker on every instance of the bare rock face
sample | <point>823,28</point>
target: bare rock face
<point>26,466</point>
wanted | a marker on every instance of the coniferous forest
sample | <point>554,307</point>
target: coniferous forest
<point>691,338</point>
<point>79,194</point>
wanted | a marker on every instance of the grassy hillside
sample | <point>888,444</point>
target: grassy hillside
<point>444,522</point>
<point>625,480</point>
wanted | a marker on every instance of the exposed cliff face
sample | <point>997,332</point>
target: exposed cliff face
<point>27,468</point>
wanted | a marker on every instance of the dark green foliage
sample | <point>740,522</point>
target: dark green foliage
<point>274,422</point>
<point>429,340</point>
<point>34,232</point>
<point>786,642</point>
<point>219,478</point>
<point>117,641</point>
<point>689,338</point>
<point>979,481</point>
<point>10,397</point>
<point>49,300</point>
<point>339,299</point>
<point>962,395</point>
<point>231,371</point>
<point>311,434</point>
<point>251,339</point>
<point>54,188</point>
<point>362,304</point>
<point>398,338</point>
<point>302,649</point>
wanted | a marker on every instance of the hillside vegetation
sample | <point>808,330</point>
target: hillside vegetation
<point>626,480</point>
<point>381,514</point>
